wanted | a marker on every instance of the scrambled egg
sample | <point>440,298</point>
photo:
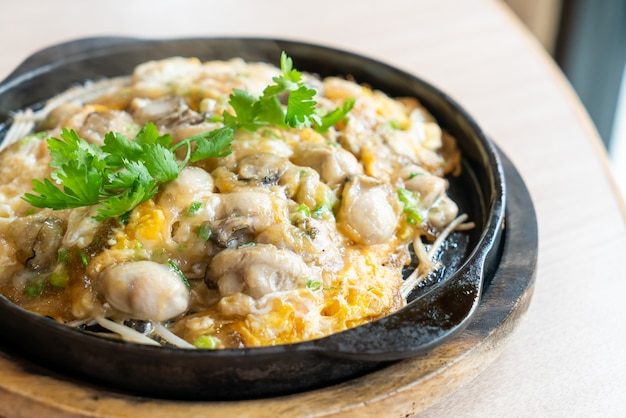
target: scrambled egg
<point>293,236</point>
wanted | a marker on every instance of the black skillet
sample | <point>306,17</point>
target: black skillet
<point>435,314</point>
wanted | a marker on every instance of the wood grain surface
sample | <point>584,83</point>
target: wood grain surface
<point>565,357</point>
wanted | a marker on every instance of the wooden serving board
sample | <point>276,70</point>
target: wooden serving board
<point>401,389</point>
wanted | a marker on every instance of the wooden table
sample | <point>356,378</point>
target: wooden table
<point>565,359</point>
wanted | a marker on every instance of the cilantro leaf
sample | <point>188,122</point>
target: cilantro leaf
<point>149,135</point>
<point>245,113</point>
<point>78,165</point>
<point>123,179</point>
<point>160,162</point>
<point>301,108</point>
<point>213,144</point>
<point>81,179</point>
<point>50,196</point>
<point>125,201</point>
<point>286,66</point>
<point>148,148</point>
<point>334,117</point>
<point>282,84</point>
<point>120,149</point>
<point>269,110</point>
<point>70,147</point>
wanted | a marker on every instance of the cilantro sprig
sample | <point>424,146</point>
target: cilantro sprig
<point>123,173</point>
<point>301,110</point>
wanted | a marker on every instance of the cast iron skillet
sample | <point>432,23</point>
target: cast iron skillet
<point>436,313</point>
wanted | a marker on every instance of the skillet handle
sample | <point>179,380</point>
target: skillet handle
<point>48,56</point>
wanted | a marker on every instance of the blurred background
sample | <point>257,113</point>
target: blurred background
<point>587,39</point>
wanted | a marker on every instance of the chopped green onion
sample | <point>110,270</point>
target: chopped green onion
<point>304,209</point>
<point>58,278</point>
<point>63,256</point>
<point>34,289</point>
<point>204,232</point>
<point>178,271</point>
<point>208,342</point>
<point>394,124</point>
<point>194,208</point>
<point>320,211</point>
<point>83,257</point>
<point>325,203</point>
<point>314,284</point>
<point>410,202</point>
